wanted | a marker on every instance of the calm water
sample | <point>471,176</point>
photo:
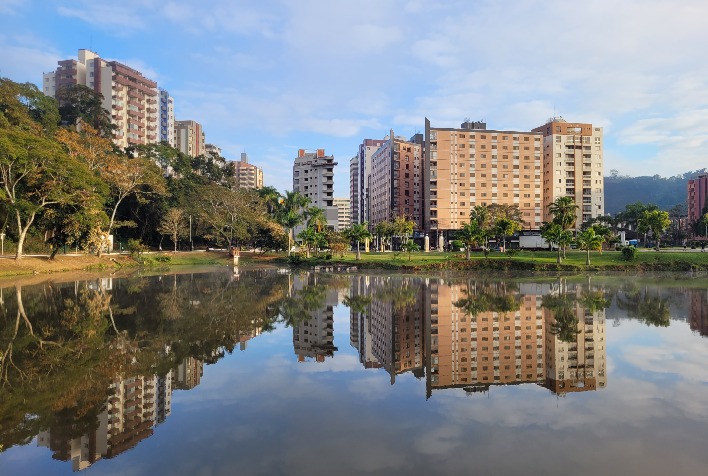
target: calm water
<point>267,372</point>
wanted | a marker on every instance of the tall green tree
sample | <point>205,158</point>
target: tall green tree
<point>358,232</point>
<point>587,240</point>
<point>557,236</point>
<point>79,105</point>
<point>564,211</point>
<point>290,213</point>
<point>471,235</point>
<point>656,221</point>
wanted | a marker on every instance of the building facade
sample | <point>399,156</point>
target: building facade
<point>359,175</point>
<point>344,215</point>
<point>167,118</point>
<point>247,175</point>
<point>129,97</point>
<point>190,138</point>
<point>697,196</point>
<point>313,177</point>
<point>395,182</point>
<point>211,149</point>
<point>573,167</point>
<point>473,166</point>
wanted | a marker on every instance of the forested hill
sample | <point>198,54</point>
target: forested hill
<point>663,192</point>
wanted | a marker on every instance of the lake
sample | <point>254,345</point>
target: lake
<point>274,372</point>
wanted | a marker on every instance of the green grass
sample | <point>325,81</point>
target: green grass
<point>646,259</point>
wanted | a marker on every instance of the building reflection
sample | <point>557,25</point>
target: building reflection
<point>313,329</point>
<point>476,334</point>
<point>698,311</point>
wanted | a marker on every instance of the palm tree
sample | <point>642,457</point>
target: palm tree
<point>564,210</point>
<point>409,246</point>
<point>289,213</point>
<point>358,232</point>
<point>271,198</point>
<point>588,240</point>
<point>316,218</point>
<point>556,235</point>
<point>506,227</point>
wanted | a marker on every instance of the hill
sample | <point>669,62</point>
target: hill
<point>664,192</point>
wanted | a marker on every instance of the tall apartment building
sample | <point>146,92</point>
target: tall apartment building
<point>189,138</point>
<point>129,97</point>
<point>313,177</point>
<point>359,172</point>
<point>354,192</point>
<point>344,213</point>
<point>166,130</point>
<point>473,166</point>
<point>697,197</point>
<point>247,175</point>
<point>395,182</point>
<point>573,167</point>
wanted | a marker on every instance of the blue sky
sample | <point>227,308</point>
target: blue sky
<point>271,76</point>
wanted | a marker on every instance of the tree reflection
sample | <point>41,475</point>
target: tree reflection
<point>484,296</point>
<point>401,293</point>
<point>648,307</point>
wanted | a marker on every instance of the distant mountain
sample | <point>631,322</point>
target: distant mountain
<point>663,192</point>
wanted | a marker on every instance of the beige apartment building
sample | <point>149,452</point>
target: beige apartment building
<point>247,175</point>
<point>344,213</point>
<point>190,138</point>
<point>472,165</point>
<point>395,183</point>
<point>573,167</point>
<point>313,177</point>
<point>129,97</point>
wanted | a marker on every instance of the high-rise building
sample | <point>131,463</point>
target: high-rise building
<point>473,166</point>
<point>395,182</point>
<point>360,194</point>
<point>354,191</point>
<point>167,118</point>
<point>697,198</point>
<point>129,97</point>
<point>573,167</point>
<point>313,177</point>
<point>247,175</point>
<point>344,215</point>
<point>189,138</point>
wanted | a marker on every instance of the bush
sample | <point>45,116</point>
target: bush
<point>136,250</point>
<point>328,256</point>
<point>512,252</point>
<point>163,259</point>
<point>295,258</point>
<point>629,253</point>
<point>458,245</point>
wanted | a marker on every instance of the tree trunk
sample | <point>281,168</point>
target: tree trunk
<point>358,251</point>
<point>587,261</point>
<point>467,250</point>
<point>22,234</point>
<point>175,240</point>
<point>559,255</point>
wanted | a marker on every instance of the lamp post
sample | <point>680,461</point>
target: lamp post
<point>191,244</point>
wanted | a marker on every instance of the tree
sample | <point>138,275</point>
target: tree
<point>506,227</point>
<point>80,105</point>
<point>564,210</point>
<point>556,235</point>
<point>36,174</point>
<point>409,246</point>
<point>656,221</point>
<point>289,213</point>
<point>271,198</point>
<point>588,240</point>
<point>316,218</point>
<point>471,235</point>
<point>172,224</point>
<point>358,232</point>
<point>384,230</point>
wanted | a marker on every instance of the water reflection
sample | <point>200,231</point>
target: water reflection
<point>90,368</point>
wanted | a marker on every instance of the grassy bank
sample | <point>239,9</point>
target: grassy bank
<point>646,260</point>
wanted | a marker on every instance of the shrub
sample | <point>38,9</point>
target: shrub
<point>512,252</point>
<point>163,259</point>
<point>629,253</point>
<point>136,250</point>
<point>295,258</point>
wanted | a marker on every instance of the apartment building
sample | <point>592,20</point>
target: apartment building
<point>313,177</point>
<point>697,197</point>
<point>129,97</point>
<point>211,149</point>
<point>573,167</point>
<point>359,179</point>
<point>190,138</point>
<point>471,165</point>
<point>247,175</point>
<point>344,214</point>
<point>395,182</point>
<point>167,118</point>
